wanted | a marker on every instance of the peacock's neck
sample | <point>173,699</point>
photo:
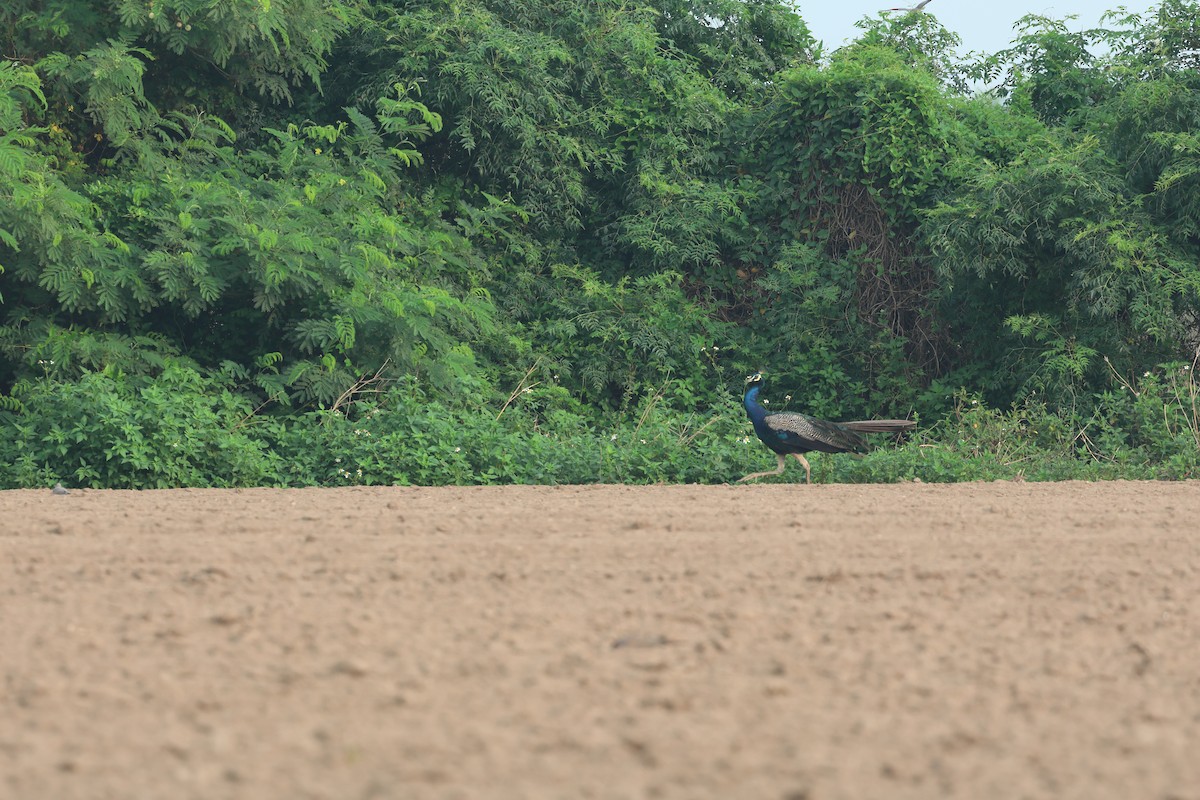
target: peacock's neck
<point>753,409</point>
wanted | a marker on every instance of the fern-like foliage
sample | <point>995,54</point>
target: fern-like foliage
<point>612,342</point>
<point>107,79</point>
<point>306,261</point>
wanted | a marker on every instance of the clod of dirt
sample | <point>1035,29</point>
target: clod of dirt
<point>640,640</point>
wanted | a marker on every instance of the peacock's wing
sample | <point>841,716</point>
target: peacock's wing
<point>805,433</point>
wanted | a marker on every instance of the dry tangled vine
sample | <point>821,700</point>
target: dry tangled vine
<point>894,283</point>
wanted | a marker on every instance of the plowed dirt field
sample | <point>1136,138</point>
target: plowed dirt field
<point>786,642</point>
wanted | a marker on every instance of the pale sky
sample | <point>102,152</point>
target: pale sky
<point>983,25</point>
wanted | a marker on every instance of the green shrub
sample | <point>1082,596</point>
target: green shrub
<point>110,430</point>
<point>409,440</point>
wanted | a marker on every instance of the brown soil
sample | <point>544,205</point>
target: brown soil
<point>781,641</point>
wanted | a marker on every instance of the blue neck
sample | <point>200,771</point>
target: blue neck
<point>754,411</point>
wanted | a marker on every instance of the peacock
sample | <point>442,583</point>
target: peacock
<point>789,433</point>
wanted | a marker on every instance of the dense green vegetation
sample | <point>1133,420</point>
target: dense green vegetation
<point>327,242</point>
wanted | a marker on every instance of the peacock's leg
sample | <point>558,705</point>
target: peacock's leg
<point>807,469</point>
<point>782,466</point>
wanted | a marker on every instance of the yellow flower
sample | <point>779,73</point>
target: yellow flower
<point>317,151</point>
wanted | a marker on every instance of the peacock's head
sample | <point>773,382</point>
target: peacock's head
<point>754,380</point>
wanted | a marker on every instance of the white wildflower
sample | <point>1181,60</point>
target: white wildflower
<point>612,438</point>
<point>458,449</point>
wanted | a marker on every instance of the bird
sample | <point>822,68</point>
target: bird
<point>789,433</point>
<point>918,7</point>
<point>60,489</point>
